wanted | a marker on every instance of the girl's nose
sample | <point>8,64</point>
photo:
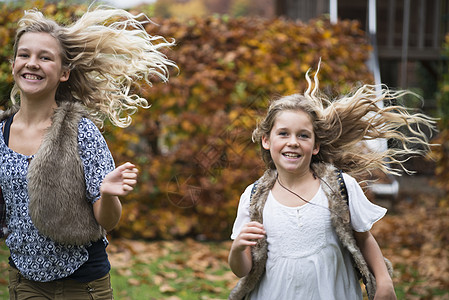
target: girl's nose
<point>32,64</point>
<point>293,142</point>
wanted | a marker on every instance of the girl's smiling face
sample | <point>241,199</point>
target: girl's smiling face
<point>291,142</point>
<point>37,67</point>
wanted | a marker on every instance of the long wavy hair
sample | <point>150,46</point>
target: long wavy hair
<point>107,50</point>
<point>342,125</point>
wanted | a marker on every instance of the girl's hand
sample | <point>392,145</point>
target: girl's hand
<point>250,233</point>
<point>385,290</point>
<point>120,181</point>
<point>240,259</point>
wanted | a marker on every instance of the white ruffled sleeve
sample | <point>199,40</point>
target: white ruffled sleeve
<point>363,213</point>
<point>242,212</point>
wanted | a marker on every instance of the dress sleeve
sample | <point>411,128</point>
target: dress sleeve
<point>363,212</point>
<point>96,157</point>
<point>242,212</point>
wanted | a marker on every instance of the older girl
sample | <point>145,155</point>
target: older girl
<point>57,174</point>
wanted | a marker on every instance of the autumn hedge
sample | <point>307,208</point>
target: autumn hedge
<point>193,146</point>
<point>441,153</point>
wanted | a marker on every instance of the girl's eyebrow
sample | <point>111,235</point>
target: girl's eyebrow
<point>47,52</point>
<point>282,129</point>
<point>42,51</point>
<point>286,128</point>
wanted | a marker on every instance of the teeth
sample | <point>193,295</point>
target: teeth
<point>291,155</point>
<point>32,77</point>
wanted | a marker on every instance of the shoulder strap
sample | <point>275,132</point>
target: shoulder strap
<point>7,129</point>
<point>253,190</point>
<point>342,186</point>
<point>3,227</point>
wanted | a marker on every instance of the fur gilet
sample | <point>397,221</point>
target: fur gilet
<point>56,185</point>
<point>340,220</point>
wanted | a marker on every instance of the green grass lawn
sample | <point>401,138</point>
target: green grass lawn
<point>170,270</point>
<point>4,254</point>
<point>160,270</point>
<point>175,270</point>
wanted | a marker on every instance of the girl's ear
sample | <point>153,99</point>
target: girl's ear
<point>265,143</point>
<point>65,75</point>
<point>316,149</point>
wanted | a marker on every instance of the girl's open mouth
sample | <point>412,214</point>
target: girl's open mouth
<point>32,77</point>
<point>291,155</point>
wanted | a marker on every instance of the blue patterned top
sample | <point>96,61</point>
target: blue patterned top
<point>36,256</point>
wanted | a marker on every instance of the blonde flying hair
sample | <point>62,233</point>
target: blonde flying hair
<point>340,127</point>
<point>106,51</point>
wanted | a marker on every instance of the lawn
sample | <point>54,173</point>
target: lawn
<point>170,270</point>
<point>174,270</point>
<point>414,235</point>
<point>160,270</point>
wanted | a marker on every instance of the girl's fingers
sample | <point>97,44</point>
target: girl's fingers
<point>127,188</point>
<point>131,170</point>
<point>254,224</point>
<point>253,229</point>
<point>129,182</point>
<point>126,166</point>
<point>127,169</point>
<point>253,236</point>
<point>129,175</point>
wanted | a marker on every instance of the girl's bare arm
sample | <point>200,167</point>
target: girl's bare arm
<point>119,182</point>
<point>240,259</point>
<point>375,260</point>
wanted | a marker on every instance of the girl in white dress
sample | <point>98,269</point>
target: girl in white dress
<point>306,255</point>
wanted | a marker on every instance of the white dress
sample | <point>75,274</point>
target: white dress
<point>305,257</point>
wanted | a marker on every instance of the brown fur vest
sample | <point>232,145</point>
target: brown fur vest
<point>340,221</point>
<point>56,186</point>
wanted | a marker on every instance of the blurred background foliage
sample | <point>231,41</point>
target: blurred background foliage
<point>193,146</point>
<point>441,152</point>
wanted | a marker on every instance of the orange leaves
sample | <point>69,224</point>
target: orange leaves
<point>175,269</point>
<point>193,146</point>
<point>229,68</point>
<point>441,151</point>
<point>5,37</point>
<point>415,239</point>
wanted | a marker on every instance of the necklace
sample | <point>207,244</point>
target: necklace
<point>314,176</point>
<point>287,189</point>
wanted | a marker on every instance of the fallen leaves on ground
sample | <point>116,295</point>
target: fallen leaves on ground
<point>180,264</point>
<point>414,235</point>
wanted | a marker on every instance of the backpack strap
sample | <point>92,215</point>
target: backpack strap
<point>3,228</point>
<point>253,190</point>
<point>342,186</point>
<point>7,128</point>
